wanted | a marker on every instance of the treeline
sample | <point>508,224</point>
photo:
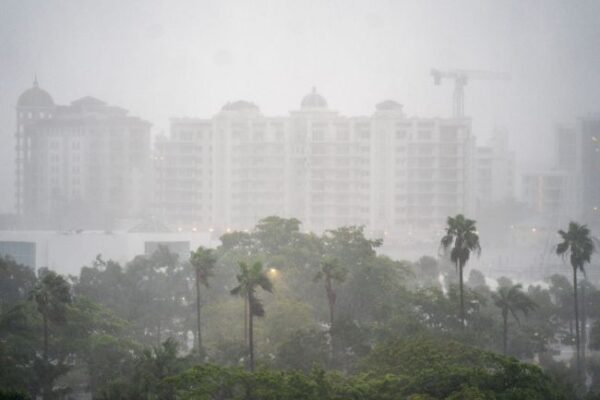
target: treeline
<point>319,316</point>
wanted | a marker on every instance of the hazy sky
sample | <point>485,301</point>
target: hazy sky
<point>187,58</point>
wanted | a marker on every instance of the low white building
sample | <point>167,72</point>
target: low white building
<point>66,252</point>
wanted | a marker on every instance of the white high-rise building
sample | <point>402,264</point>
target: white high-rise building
<point>569,190</point>
<point>391,173</point>
<point>494,173</point>
<point>549,194</point>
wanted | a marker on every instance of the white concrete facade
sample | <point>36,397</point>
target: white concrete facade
<point>391,173</point>
<point>494,174</point>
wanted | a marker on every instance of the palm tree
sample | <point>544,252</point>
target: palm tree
<point>576,243</point>
<point>461,235</point>
<point>203,261</point>
<point>511,299</point>
<point>51,295</point>
<point>249,279</point>
<point>331,271</point>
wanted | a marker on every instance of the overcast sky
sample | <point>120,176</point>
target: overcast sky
<point>187,58</point>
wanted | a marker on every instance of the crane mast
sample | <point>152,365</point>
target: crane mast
<point>461,78</point>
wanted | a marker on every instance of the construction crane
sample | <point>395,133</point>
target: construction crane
<point>461,78</point>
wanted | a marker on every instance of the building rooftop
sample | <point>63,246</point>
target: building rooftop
<point>240,105</point>
<point>313,101</point>
<point>389,105</point>
<point>35,97</point>
<point>88,101</point>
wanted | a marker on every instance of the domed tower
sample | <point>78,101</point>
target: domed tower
<point>33,105</point>
<point>313,102</point>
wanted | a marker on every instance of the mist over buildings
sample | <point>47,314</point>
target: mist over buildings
<point>374,199</point>
<point>188,58</point>
<point>167,61</point>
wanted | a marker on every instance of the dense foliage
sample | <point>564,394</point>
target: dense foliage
<point>412,369</point>
<point>342,322</point>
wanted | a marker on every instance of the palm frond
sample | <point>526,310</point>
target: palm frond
<point>447,241</point>
<point>236,291</point>
<point>256,307</point>
<point>265,283</point>
<point>562,248</point>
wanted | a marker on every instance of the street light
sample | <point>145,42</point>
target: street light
<point>210,232</point>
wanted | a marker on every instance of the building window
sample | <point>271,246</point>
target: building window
<point>448,134</point>
<point>343,135</point>
<point>424,135</point>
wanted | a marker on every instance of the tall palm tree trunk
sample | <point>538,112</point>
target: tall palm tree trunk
<point>331,303</point>
<point>158,331</point>
<point>332,354</point>
<point>583,331</point>
<point>505,331</point>
<point>330,299</point>
<point>331,306</point>
<point>45,340</point>
<point>198,325</point>
<point>461,290</point>
<point>246,314</point>
<point>251,336</point>
<point>576,298</point>
<point>45,384</point>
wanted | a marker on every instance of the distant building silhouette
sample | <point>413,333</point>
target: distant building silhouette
<point>577,158</point>
<point>547,194</point>
<point>81,165</point>
<point>494,174</point>
<point>569,190</point>
<point>590,168</point>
